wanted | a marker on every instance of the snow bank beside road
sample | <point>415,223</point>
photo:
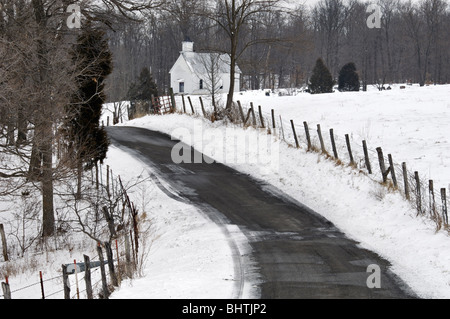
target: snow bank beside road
<point>380,220</point>
<point>188,255</point>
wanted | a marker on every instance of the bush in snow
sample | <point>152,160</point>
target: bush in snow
<point>348,78</point>
<point>321,80</point>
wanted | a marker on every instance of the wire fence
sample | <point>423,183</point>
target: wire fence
<point>94,272</point>
<point>124,265</point>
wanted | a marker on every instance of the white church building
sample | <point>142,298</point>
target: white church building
<point>201,73</point>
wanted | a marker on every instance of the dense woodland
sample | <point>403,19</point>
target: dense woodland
<point>281,45</point>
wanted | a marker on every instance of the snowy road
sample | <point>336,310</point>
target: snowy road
<point>298,254</point>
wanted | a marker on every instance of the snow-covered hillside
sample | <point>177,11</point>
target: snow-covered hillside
<point>410,123</point>
<point>182,259</point>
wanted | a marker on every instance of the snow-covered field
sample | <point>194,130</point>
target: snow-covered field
<point>182,259</point>
<point>411,124</point>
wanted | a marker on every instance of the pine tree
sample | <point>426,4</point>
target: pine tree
<point>87,141</point>
<point>348,78</point>
<point>144,88</point>
<point>321,80</point>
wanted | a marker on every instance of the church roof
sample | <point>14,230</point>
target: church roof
<point>200,63</point>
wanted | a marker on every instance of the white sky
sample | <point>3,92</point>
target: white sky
<point>308,3</point>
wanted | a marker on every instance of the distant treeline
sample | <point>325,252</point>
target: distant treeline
<point>411,44</point>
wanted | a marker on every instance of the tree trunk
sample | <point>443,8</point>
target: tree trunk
<point>44,134</point>
<point>48,218</point>
<point>21,127</point>
<point>231,90</point>
<point>34,170</point>
<point>233,57</point>
<point>79,176</point>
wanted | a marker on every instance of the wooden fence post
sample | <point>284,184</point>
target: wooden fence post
<point>112,181</point>
<point>444,206</point>
<point>253,114</point>
<point>261,117</point>
<point>96,176</point>
<point>392,168</point>
<point>76,278</point>
<point>295,134</point>
<point>418,193</point>
<point>308,138</point>
<point>432,198</point>
<point>203,108</point>
<point>366,157</point>
<point>112,272</point>
<point>87,277</point>
<point>382,166</point>
<point>248,116</point>
<point>6,289</point>
<point>118,261</point>
<point>66,284</point>
<point>107,180</point>
<point>133,250</point>
<point>4,243</point>
<point>184,103</point>
<point>319,133</point>
<point>333,144</point>
<point>190,103</point>
<point>172,99</point>
<point>134,215</point>
<point>241,112</point>
<point>129,271</point>
<point>349,148</point>
<point>100,171</point>
<point>405,180</point>
<point>42,284</point>
<point>273,119</point>
<point>103,272</point>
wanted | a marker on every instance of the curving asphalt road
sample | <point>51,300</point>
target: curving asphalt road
<point>298,254</point>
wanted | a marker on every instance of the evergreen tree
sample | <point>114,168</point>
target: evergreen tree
<point>144,88</point>
<point>348,78</point>
<point>321,80</point>
<point>87,140</point>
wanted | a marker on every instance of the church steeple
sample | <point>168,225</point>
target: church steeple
<point>187,45</point>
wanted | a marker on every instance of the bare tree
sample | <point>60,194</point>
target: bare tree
<point>40,76</point>
<point>232,16</point>
<point>38,82</point>
<point>210,77</point>
<point>329,18</point>
<point>423,23</point>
